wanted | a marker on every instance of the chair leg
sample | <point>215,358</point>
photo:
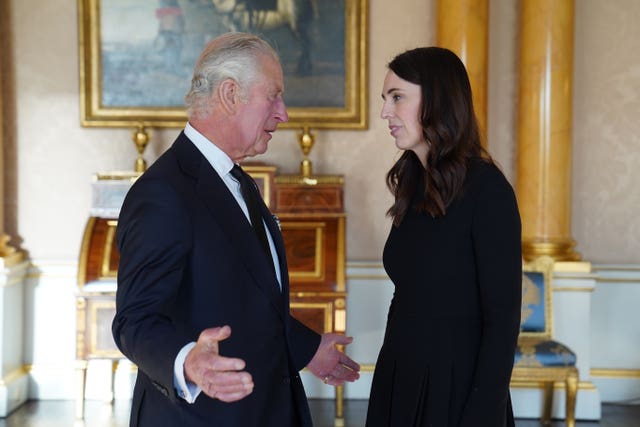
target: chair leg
<point>547,396</point>
<point>571,385</point>
<point>81,380</point>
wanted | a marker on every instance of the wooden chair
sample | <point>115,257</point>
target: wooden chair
<point>540,359</point>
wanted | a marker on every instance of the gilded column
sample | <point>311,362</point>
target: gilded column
<point>462,26</point>
<point>4,239</point>
<point>8,255</point>
<point>544,166</point>
<point>14,377</point>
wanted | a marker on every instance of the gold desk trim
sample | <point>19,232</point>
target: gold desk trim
<point>117,176</point>
<point>318,294</point>
<point>342,256</point>
<point>327,308</point>
<point>309,180</point>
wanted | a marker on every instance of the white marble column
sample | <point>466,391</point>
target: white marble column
<point>14,384</point>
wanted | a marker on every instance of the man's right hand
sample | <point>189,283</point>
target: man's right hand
<point>219,377</point>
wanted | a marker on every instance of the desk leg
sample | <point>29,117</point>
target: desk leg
<point>81,380</point>
<point>339,421</point>
<point>114,369</point>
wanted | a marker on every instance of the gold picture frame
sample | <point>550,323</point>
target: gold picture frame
<point>133,59</point>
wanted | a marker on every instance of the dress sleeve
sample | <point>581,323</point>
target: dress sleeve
<point>496,235</point>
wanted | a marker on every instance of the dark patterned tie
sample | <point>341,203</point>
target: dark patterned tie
<point>251,197</point>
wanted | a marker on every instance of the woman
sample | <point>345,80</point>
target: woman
<point>453,254</point>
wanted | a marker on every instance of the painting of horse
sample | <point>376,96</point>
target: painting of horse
<point>179,29</point>
<point>138,55</point>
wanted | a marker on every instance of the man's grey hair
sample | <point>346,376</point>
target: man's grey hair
<point>232,55</point>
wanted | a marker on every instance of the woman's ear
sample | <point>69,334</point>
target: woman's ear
<point>228,93</point>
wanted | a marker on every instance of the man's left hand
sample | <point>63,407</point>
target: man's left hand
<point>331,365</point>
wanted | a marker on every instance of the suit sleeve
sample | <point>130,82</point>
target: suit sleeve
<point>153,240</point>
<point>496,234</point>
<point>305,342</point>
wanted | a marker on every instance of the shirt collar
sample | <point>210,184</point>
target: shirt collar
<point>214,155</point>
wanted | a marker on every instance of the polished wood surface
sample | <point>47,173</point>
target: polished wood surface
<point>99,256</point>
<point>306,198</point>
<point>315,250</point>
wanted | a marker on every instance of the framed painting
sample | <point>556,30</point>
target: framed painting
<point>137,56</point>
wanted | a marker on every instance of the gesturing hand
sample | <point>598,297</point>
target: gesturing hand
<point>331,365</point>
<point>219,377</point>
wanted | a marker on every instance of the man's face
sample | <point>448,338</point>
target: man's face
<point>261,109</point>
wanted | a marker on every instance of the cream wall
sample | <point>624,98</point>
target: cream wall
<point>51,163</point>
<point>606,199</point>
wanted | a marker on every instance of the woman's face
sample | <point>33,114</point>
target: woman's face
<point>402,109</point>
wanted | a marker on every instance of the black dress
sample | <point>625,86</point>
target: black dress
<point>453,323</point>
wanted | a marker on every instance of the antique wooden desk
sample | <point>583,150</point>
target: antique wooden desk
<point>97,270</point>
<point>312,220</point>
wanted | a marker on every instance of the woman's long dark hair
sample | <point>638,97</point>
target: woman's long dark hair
<point>449,126</point>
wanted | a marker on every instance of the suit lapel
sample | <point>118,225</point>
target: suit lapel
<point>225,210</point>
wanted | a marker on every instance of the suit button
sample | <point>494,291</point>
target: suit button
<point>286,380</point>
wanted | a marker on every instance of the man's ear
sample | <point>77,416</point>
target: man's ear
<point>229,95</point>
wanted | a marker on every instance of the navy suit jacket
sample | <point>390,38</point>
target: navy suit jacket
<point>189,260</point>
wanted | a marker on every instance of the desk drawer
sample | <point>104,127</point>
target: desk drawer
<point>309,198</point>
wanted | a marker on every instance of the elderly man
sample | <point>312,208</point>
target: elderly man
<point>203,292</point>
